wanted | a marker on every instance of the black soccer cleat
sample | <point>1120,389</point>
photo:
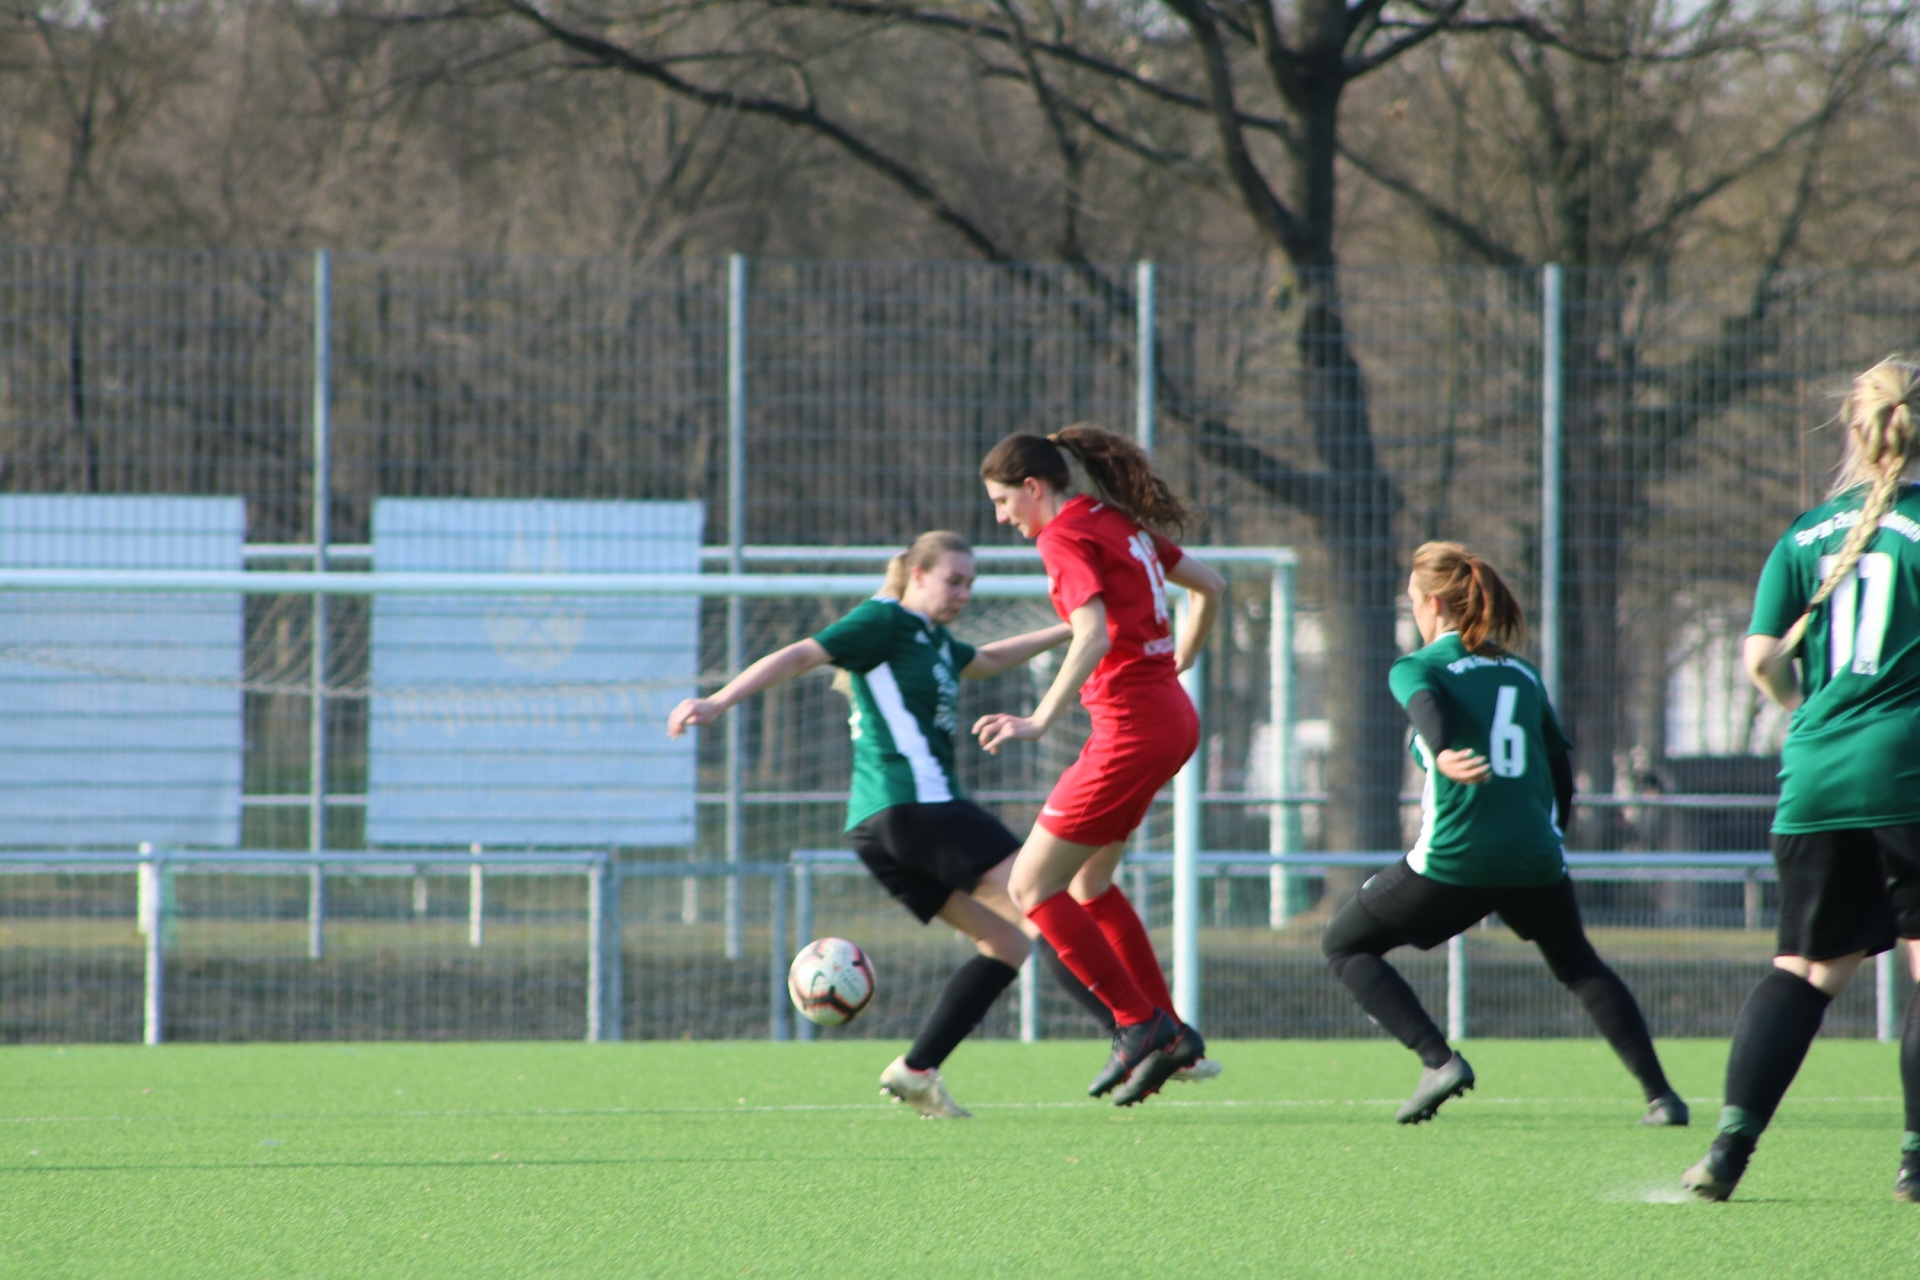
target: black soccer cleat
<point>1132,1046</point>
<point>1448,1080</point>
<point>1669,1111</point>
<point>1906,1183</point>
<point>1719,1171</point>
<point>1160,1066</point>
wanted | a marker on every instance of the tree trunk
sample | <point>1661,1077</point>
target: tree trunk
<point>1364,764</point>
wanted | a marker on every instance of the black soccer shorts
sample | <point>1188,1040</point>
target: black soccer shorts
<point>1847,891</point>
<point>922,853</point>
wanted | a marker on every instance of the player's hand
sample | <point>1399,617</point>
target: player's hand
<point>998,729</point>
<point>691,712</point>
<point>1468,767</point>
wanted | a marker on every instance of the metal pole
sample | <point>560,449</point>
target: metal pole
<point>153,920</point>
<point>1552,319</point>
<point>1145,390</point>
<point>476,903</point>
<point>1030,999</point>
<point>1457,987</point>
<point>596,951</point>
<point>779,1024</point>
<point>1186,862</point>
<point>1144,385</point>
<point>803,930</point>
<point>736,540</point>
<point>1886,998</point>
<point>322,497</point>
<point>1283,821</point>
<point>613,957</point>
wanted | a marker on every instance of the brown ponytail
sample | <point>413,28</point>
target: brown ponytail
<point>925,553</point>
<point>1117,468</point>
<point>1881,444</point>
<point>1484,611</point>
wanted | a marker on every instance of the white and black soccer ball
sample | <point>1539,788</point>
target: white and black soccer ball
<point>831,981</point>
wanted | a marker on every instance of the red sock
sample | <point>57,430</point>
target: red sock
<point>1127,934</point>
<point>1085,950</point>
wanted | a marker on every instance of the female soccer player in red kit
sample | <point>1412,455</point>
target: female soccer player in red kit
<point>1107,570</point>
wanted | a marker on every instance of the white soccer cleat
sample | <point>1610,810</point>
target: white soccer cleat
<point>924,1091</point>
<point>1199,1073</point>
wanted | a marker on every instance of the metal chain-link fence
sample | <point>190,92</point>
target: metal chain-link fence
<point>1348,416</point>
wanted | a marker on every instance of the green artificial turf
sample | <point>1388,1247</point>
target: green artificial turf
<point>752,1159</point>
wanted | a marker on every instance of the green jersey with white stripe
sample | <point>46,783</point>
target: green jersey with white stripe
<point>906,705</point>
<point>1501,832</point>
<point>1851,758</point>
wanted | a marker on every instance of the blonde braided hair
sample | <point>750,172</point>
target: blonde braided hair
<point>1882,443</point>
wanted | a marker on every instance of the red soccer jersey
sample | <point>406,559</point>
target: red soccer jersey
<point>1090,549</point>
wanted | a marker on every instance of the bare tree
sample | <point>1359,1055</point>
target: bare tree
<point>1614,138</point>
<point>1240,100</point>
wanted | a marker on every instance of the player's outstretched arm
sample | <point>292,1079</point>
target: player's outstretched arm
<point>1090,644</point>
<point>1208,589</point>
<point>1770,667</point>
<point>777,667</point>
<point>1002,655</point>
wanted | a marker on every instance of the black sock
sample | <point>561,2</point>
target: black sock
<point>1910,1061</point>
<point>969,993</point>
<point>1389,1001</point>
<point>1617,1014</point>
<point>1770,1040</point>
<point>1092,1003</point>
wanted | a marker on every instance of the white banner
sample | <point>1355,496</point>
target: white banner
<point>527,720</point>
<point>120,715</point>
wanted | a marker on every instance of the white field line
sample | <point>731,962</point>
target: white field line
<point>805,1107</point>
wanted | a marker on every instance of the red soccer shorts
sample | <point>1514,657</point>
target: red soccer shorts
<point>1139,742</point>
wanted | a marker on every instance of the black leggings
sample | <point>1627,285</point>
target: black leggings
<point>1399,907</point>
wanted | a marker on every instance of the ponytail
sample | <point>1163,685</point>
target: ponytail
<point>1117,471</point>
<point>923,554</point>
<point>1484,611</point>
<point>1881,445</point>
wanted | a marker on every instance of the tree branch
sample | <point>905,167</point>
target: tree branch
<point>808,117</point>
<point>1266,208</point>
<point>1360,66</point>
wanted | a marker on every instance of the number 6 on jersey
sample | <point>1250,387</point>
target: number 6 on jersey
<point>1509,745</point>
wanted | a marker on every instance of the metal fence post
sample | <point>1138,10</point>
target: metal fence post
<point>779,1021</point>
<point>476,902</point>
<point>1886,995</point>
<point>802,928</point>
<point>1145,390</point>
<point>615,1012</point>
<point>596,951</point>
<point>736,540</point>
<point>1186,851</point>
<point>322,497</point>
<point>1030,998</point>
<point>1457,987</point>
<point>1552,320</point>
<point>153,921</point>
<point>1283,820</point>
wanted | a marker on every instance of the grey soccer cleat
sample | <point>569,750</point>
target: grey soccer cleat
<point>1669,1110</point>
<point>924,1091</point>
<point>1200,1072</point>
<point>1718,1172</point>
<point>1437,1084</point>
<point>1187,1050</point>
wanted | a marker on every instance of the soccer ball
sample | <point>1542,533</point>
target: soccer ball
<point>831,981</point>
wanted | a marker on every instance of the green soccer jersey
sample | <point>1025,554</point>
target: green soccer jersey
<point>1852,754</point>
<point>1501,832</point>
<point>906,705</point>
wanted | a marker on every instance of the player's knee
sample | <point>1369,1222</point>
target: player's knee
<point>1575,967</point>
<point>1009,946</point>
